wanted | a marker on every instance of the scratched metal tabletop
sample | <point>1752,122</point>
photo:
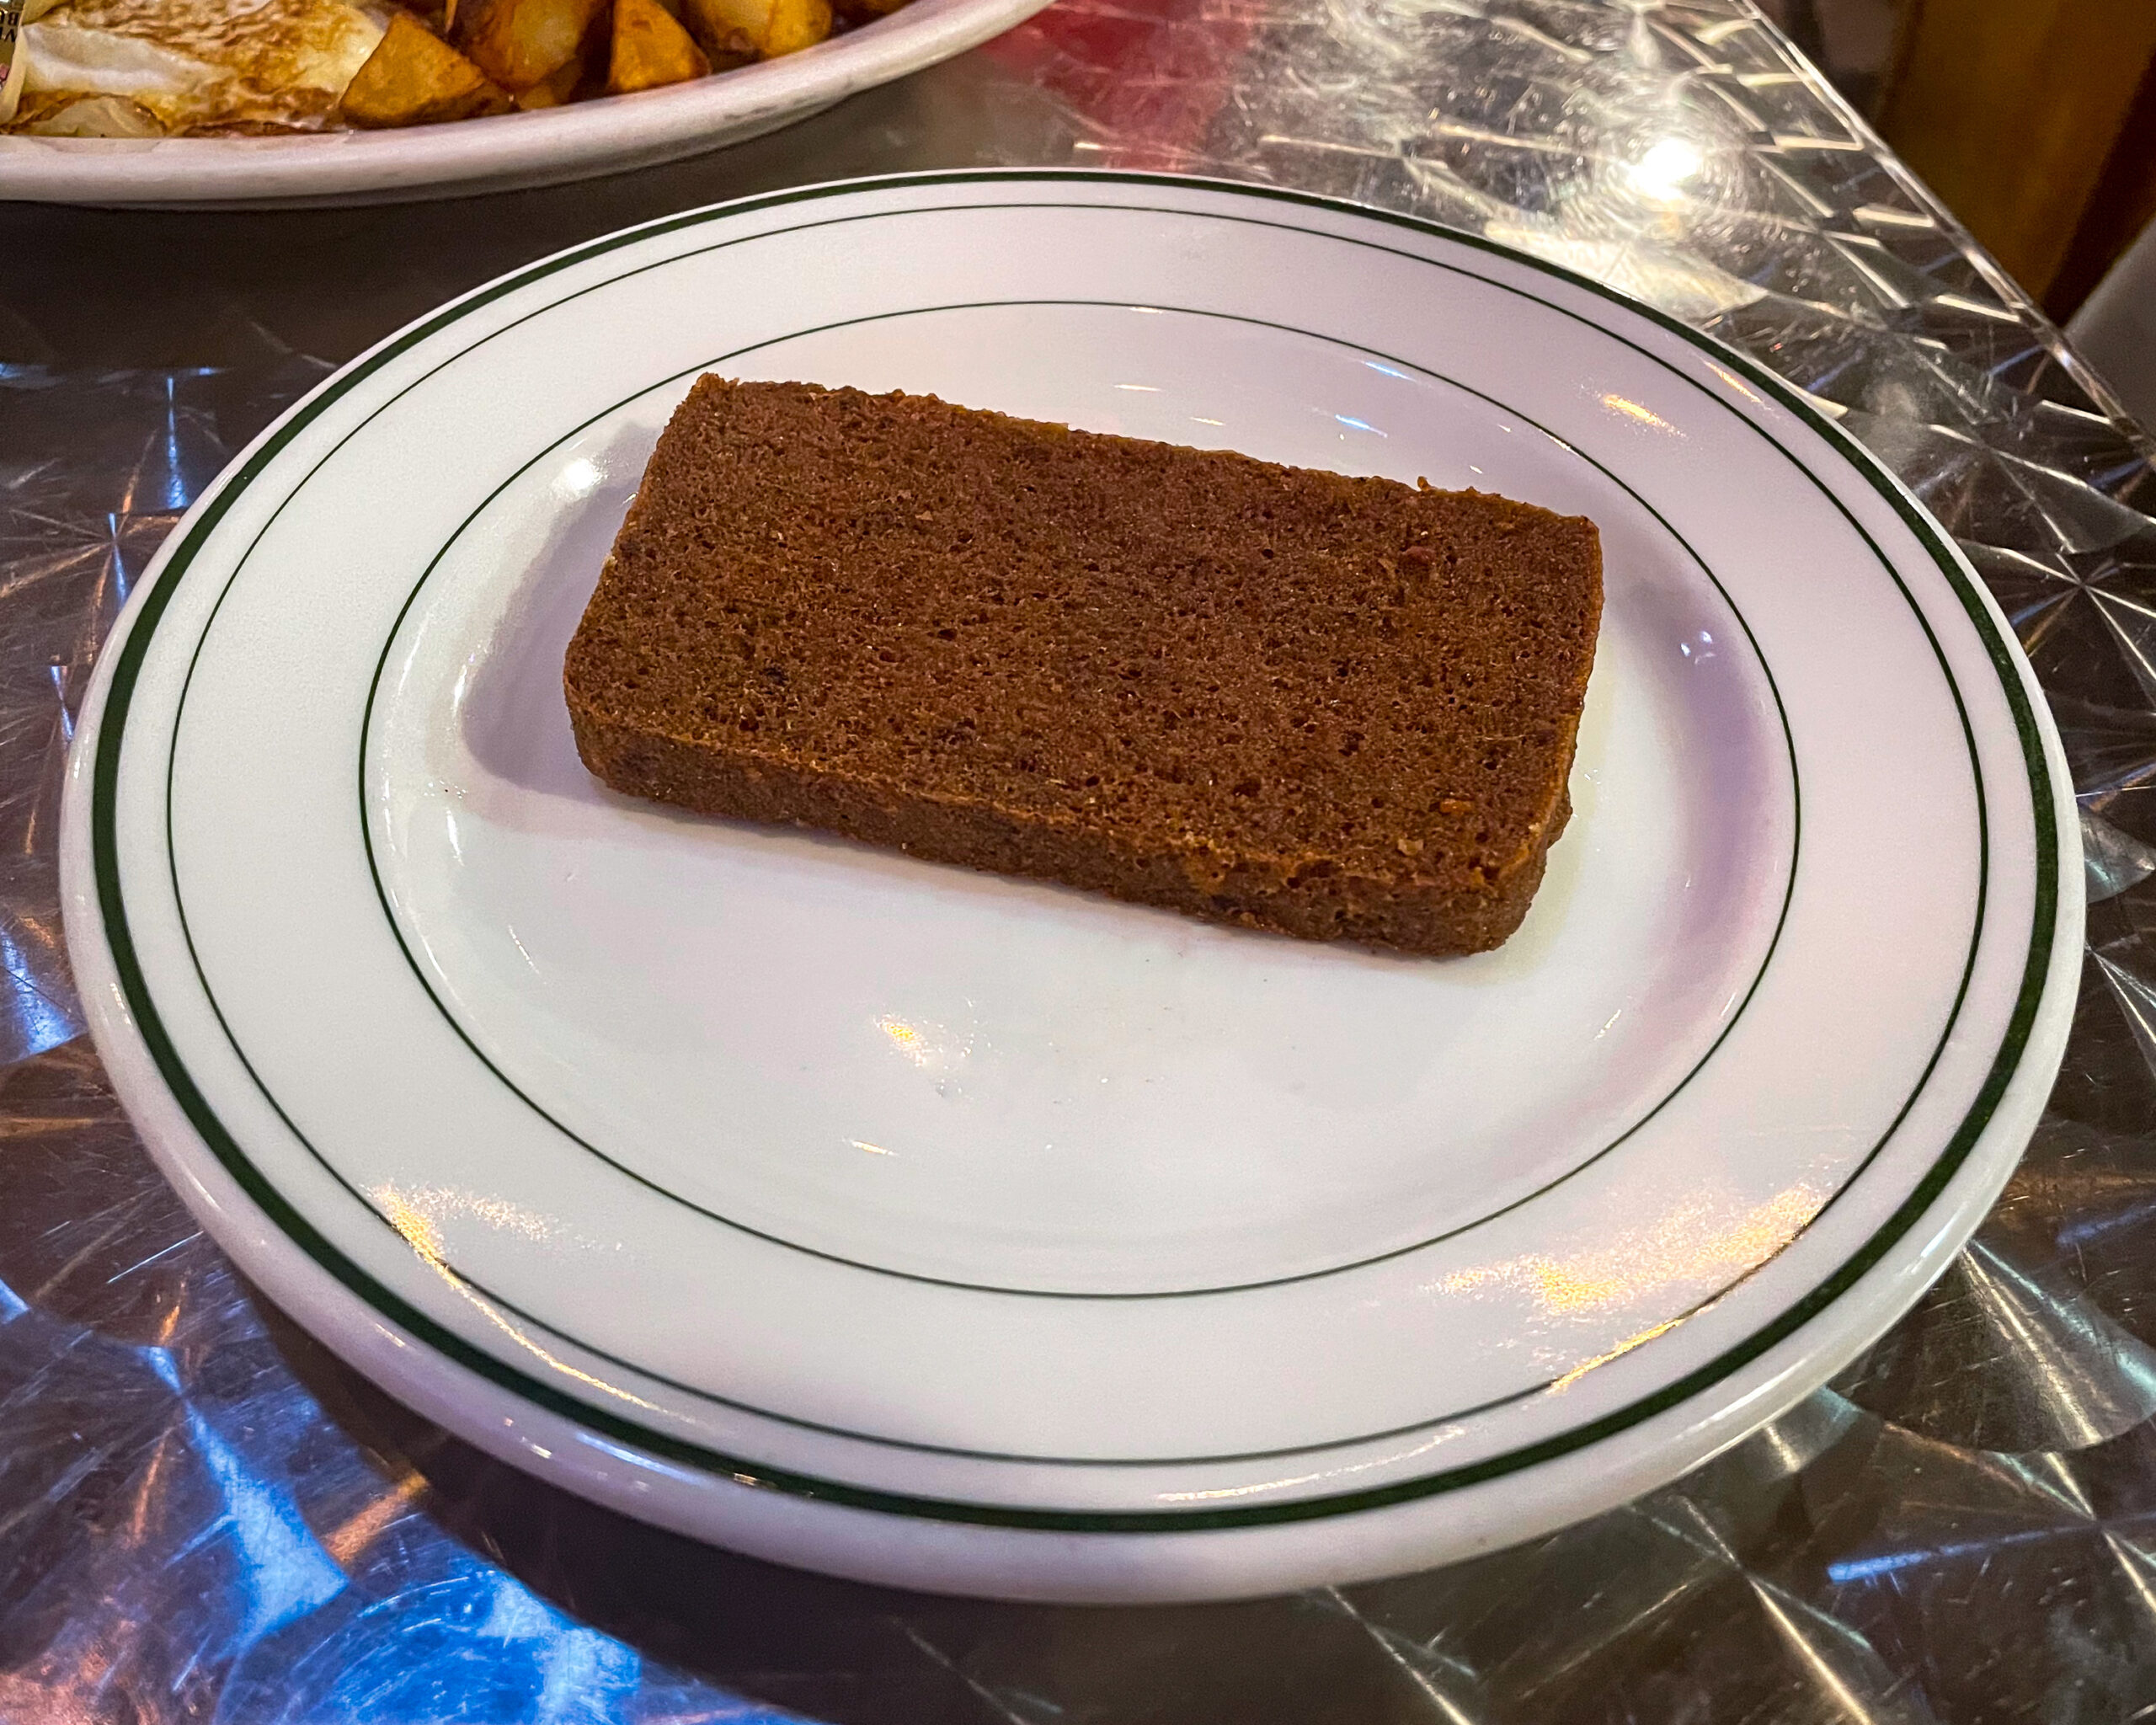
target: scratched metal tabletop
<point>203,1516</point>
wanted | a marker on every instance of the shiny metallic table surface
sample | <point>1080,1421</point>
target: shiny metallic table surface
<point>203,1516</point>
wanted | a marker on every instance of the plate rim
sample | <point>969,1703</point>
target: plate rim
<point>2056,893</point>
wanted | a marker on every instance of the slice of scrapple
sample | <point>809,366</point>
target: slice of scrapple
<point>1339,708</point>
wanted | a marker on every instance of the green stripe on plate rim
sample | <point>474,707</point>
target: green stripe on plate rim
<point>280,1210</point>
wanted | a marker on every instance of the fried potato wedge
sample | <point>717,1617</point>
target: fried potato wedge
<point>650,48</point>
<point>522,43</point>
<point>556,87</point>
<point>724,28</point>
<point>770,27</point>
<point>415,78</point>
<point>795,24</point>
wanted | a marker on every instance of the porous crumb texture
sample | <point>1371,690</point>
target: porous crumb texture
<point>1337,707</point>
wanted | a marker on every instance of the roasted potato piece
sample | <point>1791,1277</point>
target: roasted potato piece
<point>650,48</point>
<point>725,50</point>
<point>554,89</point>
<point>415,78</point>
<point>520,43</point>
<point>724,42</point>
<point>796,24</point>
<point>864,11</point>
<point>770,27</point>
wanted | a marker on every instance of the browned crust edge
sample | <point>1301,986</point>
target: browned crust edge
<point>1311,900</point>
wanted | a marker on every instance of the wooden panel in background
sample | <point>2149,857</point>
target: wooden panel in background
<point>2011,111</point>
<point>2123,204</point>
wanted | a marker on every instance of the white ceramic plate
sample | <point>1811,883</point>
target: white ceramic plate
<point>511,150</point>
<point>970,1233</point>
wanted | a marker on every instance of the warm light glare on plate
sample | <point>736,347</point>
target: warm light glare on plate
<point>906,1039</point>
<point>579,478</point>
<point>1689,1244</point>
<point>1633,410</point>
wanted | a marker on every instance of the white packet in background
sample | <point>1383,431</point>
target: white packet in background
<point>15,50</point>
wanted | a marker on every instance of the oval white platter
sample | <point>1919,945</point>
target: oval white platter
<point>505,152</point>
<point>971,1234</point>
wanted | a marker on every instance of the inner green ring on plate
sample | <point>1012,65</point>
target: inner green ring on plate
<point>1789,744</point>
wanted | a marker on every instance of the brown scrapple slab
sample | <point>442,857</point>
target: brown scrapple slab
<point>1339,708</point>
